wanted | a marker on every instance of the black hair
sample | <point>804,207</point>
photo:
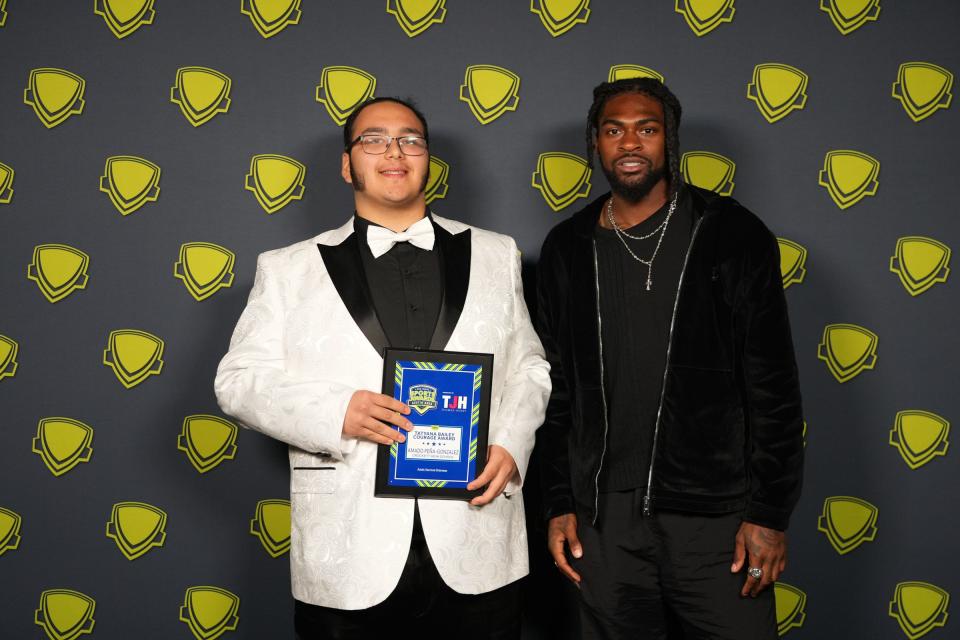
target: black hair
<point>671,118</point>
<point>348,136</point>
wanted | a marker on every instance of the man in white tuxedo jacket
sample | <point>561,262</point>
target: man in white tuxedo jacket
<point>303,364</point>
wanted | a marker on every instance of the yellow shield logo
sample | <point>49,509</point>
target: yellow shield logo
<point>9,530</point>
<point>207,441</point>
<point>123,17</point>
<point>848,350</point>
<point>58,270</point>
<point>923,88</point>
<point>561,178</point>
<point>559,16</point>
<point>201,93</point>
<point>63,443</point>
<point>8,357</point>
<point>54,94</point>
<point>65,614</point>
<point>849,15</point>
<point>133,355</point>
<point>416,16</point>
<point>271,525</point>
<point>204,268</point>
<point>6,183</point>
<point>490,91</point>
<point>131,182</point>
<point>791,603</point>
<point>270,17</point>
<point>919,607</point>
<point>342,89</point>
<point>778,90</point>
<point>849,176</point>
<point>136,527</point>
<point>708,170</point>
<point>209,611</point>
<point>793,257</point>
<point>919,436</point>
<point>624,71</point>
<point>275,180</point>
<point>703,16</point>
<point>848,522</point>
<point>3,12</point>
<point>920,262</point>
<point>437,180</point>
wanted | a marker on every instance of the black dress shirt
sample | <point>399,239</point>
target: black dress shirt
<point>406,286</point>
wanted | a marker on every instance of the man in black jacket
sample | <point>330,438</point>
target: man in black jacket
<point>672,453</point>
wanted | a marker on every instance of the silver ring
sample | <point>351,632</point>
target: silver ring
<point>755,572</point>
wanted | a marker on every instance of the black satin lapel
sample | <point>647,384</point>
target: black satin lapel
<point>346,271</point>
<point>455,252</point>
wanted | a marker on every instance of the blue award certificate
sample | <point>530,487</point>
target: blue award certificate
<point>449,397</point>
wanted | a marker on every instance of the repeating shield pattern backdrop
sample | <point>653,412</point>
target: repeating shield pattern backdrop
<point>150,149</point>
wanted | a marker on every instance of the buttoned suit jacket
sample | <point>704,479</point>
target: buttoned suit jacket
<point>309,338</point>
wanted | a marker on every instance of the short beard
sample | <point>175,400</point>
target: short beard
<point>637,191</point>
<point>359,186</point>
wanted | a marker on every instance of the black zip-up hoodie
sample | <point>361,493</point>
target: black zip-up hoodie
<point>729,433</point>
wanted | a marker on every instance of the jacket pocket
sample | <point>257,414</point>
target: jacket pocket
<point>319,479</point>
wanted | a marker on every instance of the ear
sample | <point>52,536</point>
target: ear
<point>345,168</point>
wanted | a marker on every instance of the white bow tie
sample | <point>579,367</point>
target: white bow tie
<point>419,234</point>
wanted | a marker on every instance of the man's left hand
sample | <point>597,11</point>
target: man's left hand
<point>762,548</point>
<point>498,472</point>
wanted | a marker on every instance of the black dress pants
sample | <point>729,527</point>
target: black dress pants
<point>422,606</point>
<point>666,576</point>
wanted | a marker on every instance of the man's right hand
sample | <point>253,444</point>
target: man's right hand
<point>561,531</point>
<point>369,415</point>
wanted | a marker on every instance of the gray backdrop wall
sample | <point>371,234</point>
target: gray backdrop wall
<point>120,487</point>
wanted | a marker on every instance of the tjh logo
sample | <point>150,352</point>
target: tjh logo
<point>848,350</point>
<point>778,90</point>
<point>416,16</point>
<point>58,270</point>
<point>210,611</point>
<point>131,182</point>
<point>204,268</point>
<point>923,88</point>
<point>65,614</point>
<point>849,15</point>
<point>271,525</point>
<point>793,258</point>
<point>490,91</point>
<point>270,17</point>
<point>136,528</point>
<point>559,16</point>
<point>63,443</point>
<point>849,176</point>
<point>201,94</point>
<point>275,180</point>
<point>848,522</point>
<point>561,178</point>
<point>342,89</point>
<point>54,94</point>
<point>919,436</point>
<point>207,441</point>
<point>133,355</point>
<point>703,16</point>
<point>123,17</point>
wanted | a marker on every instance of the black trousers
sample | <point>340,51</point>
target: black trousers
<point>421,606</point>
<point>666,576</point>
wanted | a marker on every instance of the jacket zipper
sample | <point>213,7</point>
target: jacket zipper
<point>603,391</point>
<point>648,497</point>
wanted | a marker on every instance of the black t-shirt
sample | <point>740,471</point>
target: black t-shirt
<point>635,327</point>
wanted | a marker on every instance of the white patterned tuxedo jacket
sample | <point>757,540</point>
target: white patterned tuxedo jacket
<point>309,338</point>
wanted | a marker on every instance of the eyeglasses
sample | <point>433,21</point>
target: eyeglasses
<point>377,143</point>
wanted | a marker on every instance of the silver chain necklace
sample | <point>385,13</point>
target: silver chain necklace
<point>661,229</point>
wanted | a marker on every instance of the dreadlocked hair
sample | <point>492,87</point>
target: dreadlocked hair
<point>671,118</point>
